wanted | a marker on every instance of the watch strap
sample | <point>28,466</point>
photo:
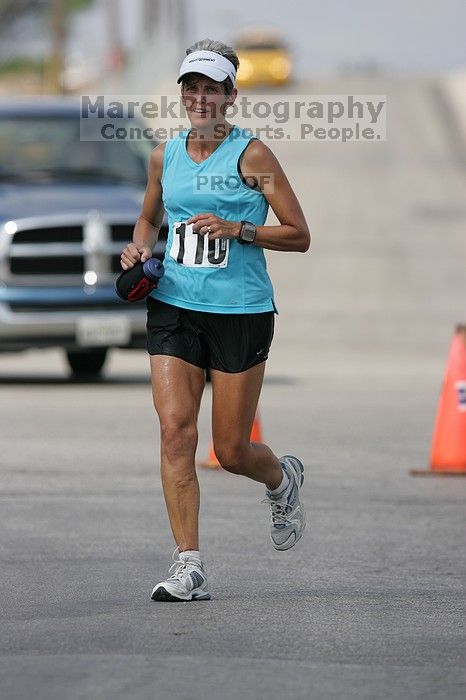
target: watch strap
<point>244,225</point>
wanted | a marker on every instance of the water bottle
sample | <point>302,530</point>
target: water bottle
<point>137,282</point>
<point>153,269</point>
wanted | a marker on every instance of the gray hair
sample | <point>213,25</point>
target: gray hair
<point>220,48</point>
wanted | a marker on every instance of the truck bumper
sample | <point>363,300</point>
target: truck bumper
<point>72,318</point>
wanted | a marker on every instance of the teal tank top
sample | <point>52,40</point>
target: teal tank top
<point>220,276</point>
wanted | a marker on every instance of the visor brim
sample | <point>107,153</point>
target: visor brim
<point>209,71</point>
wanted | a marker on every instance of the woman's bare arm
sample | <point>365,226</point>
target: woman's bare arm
<point>147,226</point>
<point>292,234</point>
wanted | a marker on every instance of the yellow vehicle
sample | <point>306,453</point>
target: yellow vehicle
<point>264,60</point>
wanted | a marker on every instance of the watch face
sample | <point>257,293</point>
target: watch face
<point>249,232</point>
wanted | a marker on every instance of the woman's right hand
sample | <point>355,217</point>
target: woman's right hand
<point>133,254</point>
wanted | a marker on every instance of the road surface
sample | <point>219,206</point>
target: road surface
<point>370,604</point>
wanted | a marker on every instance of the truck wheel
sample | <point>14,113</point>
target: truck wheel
<point>86,362</point>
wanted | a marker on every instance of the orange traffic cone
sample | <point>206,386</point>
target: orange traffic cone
<point>256,436</point>
<point>211,461</point>
<point>256,430</point>
<point>448,455</point>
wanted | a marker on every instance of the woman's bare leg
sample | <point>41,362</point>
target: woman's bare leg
<point>177,388</point>
<point>234,404</point>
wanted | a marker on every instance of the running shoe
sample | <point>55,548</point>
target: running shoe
<point>187,582</point>
<point>288,517</point>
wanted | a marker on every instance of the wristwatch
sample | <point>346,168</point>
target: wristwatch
<point>247,233</point>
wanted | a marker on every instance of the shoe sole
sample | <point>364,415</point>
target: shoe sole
<point>163,596</point>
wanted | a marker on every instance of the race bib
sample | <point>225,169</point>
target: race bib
<point>195,250</point>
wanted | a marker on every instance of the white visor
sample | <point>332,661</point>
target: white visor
<point>210,64</point>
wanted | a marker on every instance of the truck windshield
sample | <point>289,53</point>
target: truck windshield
<point>47,148</point>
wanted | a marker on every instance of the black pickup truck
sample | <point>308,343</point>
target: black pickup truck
<point>67,209</point>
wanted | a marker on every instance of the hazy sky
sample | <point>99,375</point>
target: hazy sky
<point>420,36</point>
<point>414,35</point>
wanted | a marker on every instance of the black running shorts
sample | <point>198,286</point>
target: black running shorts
<point>227,342</point>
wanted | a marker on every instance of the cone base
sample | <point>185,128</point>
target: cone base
<point>435,472</point>
<point>208,465</point>
<point>212,461</point>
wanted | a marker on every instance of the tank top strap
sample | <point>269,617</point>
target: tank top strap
<point>229,150</point>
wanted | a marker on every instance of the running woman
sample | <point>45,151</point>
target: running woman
<point>213,308</point>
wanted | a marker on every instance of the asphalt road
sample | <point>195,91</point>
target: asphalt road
<point>370,604</point>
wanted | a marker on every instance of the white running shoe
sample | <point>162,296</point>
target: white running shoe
<point>188,581</point>
<point>288,517</point>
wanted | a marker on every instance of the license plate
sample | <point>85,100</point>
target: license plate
<point>115,330</point>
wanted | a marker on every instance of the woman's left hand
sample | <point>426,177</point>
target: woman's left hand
<point>214,227</point>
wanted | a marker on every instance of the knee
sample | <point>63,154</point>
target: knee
<point>178,435</point>
<point>231,456</point>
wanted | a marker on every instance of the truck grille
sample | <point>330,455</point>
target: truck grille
<point>56,265</point>
<point>116,264</point>
<point>67,247</point>
<point>59,234</point>
<point>63,248</point>
<point>122,233</point>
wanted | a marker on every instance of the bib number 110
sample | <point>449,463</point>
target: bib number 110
<point>193,249</point>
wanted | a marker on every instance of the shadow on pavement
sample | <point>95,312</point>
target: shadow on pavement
<point>26,379</point>
<point>69,381</point>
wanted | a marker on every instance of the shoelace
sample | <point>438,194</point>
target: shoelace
<point>280,510</point>
<point>179,565</point>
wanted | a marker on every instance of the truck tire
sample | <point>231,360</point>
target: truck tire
<point>85,363</point>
